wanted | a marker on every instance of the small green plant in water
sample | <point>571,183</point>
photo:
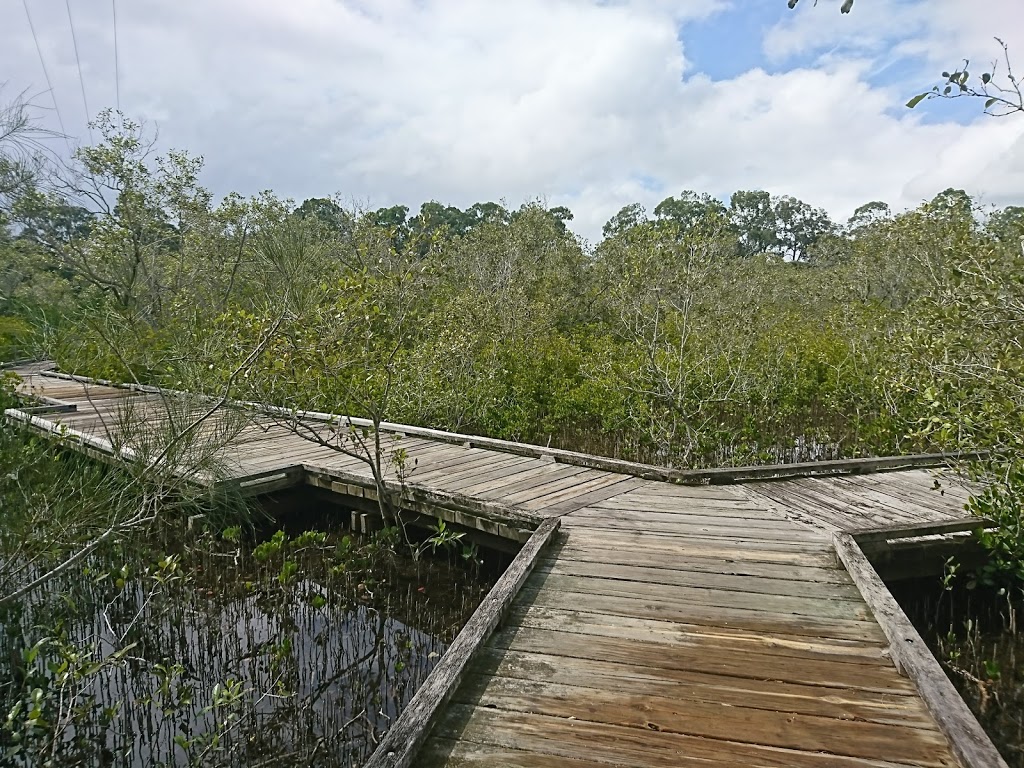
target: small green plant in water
<point>442,538</point>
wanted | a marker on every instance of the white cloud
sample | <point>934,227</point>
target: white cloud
<point>578,101</point>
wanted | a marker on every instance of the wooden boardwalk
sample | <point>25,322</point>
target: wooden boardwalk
<point>666,625</point>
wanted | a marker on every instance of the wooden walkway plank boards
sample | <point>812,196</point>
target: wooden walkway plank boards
<point>665,626</point>
<point>627,746</point>
<point>700,685</point>
<point>663,714</point>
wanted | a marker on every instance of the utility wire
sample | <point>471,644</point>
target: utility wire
<point>81,80</point>
<point>46,74</point>
<point>117,65</point>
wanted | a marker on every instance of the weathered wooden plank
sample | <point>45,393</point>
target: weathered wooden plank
<point>547,485</point>
<point>797,553</point>
<point>513,468</point>
<point>918,487</point>
<point>770,622</point>
<point>645,574</point>
<point>697,718</point>
<point>398,748</point>
<point>674,594</point>
<point>306,455</point>
<point>479,462</point>
<point>781,532</point>
<point>571,495</point>
<point>835,518</point>
<point>757,518</point>
<point>823,573</point>
<point>282,451</point>
<point>696,635</point>
<point>711,615</point>
<point>738,507</point>
<point>445,456</point>
<point>448,477</point>
<point>450,753</point>
<point>590,497</point>
<point>635,747</point>
<point>457,460</point>
<point>857,516</point>
<point>726,690</point>
<point>968,739</point>
<point>888,495</point>
<point>666,538</point>
<point>654,490</point>
<point>889,508</point>
<point>507,485</point>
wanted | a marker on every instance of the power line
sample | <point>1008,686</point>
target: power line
<point>46,74</point>
<point>81,80</point>
<point>117,65</point>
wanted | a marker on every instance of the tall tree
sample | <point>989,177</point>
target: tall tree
<point>868,214</point>
<point>799,226</point>
<point>753,216</point>
<point>689,209</point>
<point>629,216</point>
<point>1007,225</point>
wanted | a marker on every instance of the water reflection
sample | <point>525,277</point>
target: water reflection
<point>223,658</point>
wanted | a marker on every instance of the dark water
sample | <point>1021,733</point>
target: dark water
<point>301,650</point>
<point>975,632</point>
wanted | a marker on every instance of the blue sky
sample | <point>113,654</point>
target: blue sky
<point>592,104</point>
<point>728,43</point>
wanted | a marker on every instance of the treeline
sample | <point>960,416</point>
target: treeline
<point>701,333</point>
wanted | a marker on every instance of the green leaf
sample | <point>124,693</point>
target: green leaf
<point>990,102</point>
<point>916,100</point>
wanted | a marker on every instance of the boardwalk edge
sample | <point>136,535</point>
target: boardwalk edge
<point>717,476</point>
<point>399,747</point>
<point>968,740</point>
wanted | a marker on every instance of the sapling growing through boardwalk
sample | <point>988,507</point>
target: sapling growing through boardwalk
<point>342,343</point>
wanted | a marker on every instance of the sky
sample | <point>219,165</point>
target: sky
<point>590,104</point>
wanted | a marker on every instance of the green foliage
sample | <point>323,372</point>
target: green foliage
<point>15,338</point>
<point>997,86</point>
<point>703,334</point>
<point>1003,503</point>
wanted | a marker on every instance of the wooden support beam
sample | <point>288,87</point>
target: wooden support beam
<point>403,740</point>
<point>904,531</point>
<point>51,408</point>
<point>267,482</point>
<point>419,497</point>
<point>969,742</point>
